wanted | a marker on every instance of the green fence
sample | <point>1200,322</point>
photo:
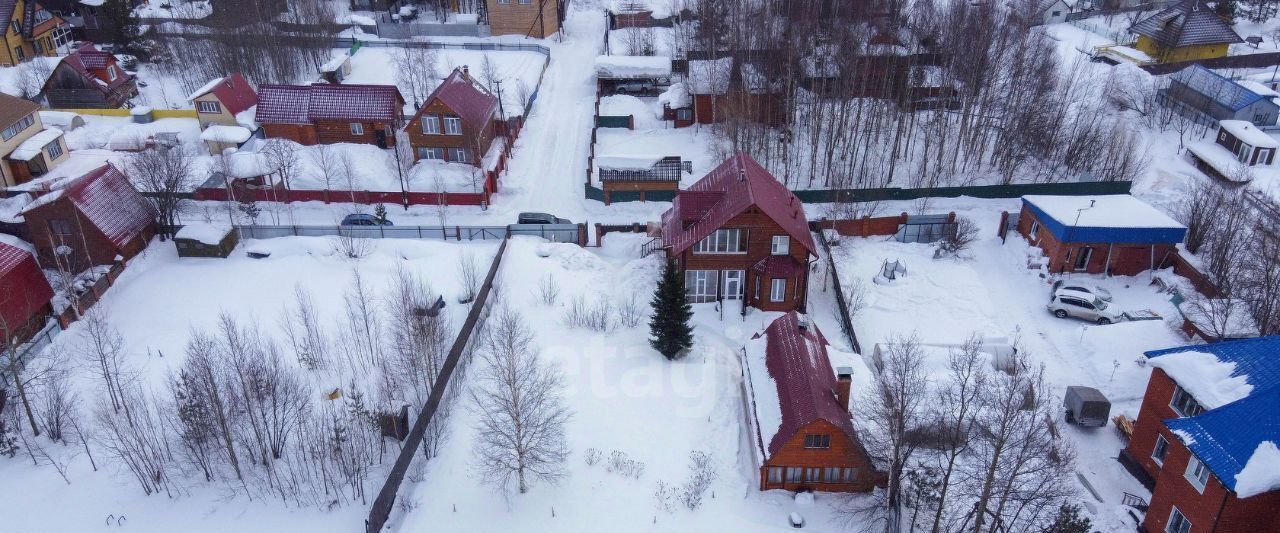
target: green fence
<point>613,121</point>
<point>597,194</point>
<point>819,196</point>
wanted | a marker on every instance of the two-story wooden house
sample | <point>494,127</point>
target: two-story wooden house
<point>530,18</point>
<point>30,31</point>
<point>89,78</point>
<point>803,433</point>
<point>457,122</point>
<point>1205,438</point>
<point>28,149</point>
<point>77,223</point>
<point>221,100</point>
<point>739,234</point>
<point>326,113</point>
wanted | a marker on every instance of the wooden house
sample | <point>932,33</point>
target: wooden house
<point>1112,234</point>
<point>733,86</point>
<point>89,78</point>
<point>37,149</point>
<point>24,291</point>
<point>94,219</point>
<point>1205,438</point>
<point>200,239</point>
<point>457,122</point>
<point>739,234</point>
<point>799,410</point>
<point>325,113</point>
<point>30,31</point>
<point>223,100</point>
<point>1238,145</point>
<point>1186,31</point>
<point>1205,96</point>
<point>530,18</point>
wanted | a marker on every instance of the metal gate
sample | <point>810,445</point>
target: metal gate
<point>924,228</point>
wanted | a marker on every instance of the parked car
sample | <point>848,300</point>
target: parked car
<point>540,218</point>
<point>1082,305</point>
<point>362,219</point>
<point>634,87</point>
<point>1086,406</point>
<point>1099,292</point>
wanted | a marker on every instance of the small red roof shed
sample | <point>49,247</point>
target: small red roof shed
<point>24,291</point>
<point>233,91</point>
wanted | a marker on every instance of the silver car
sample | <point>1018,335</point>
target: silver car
<point>1083,305</point>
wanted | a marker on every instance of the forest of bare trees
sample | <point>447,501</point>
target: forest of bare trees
<point>966,95</point>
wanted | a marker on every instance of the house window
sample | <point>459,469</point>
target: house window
<point>17,127</point>
<point>60,228</point>
<point>813,475</point>
<point>54,149</point>
<point>777,289</point>
<point>684,113</point>
<point>722,241</point>
<point>781,245</point>
<point>1197,474</point>
<point>831,474</point>
<point>1261,118</point>
<point>208,107</point>
<point>1035,230</point>
<point>794,473</point>
<point>430,152</point>
<point>111,73</point>
<point>850,475</point>
<point>1161,449</point>
<point>775,474</point>
<point>1183,403</point>
<point>1178,523</point>
<point>431,124</point>
<point>19,53</point>
<point>357,128</point>
<point>700,285</point>
<point>504,1</point>
<point>1222,135</point>
<point>1082,260</point>
<point>817,441</point>
<point>452,126</point>
<point>460,155</point>
<point>17,28</point>
<point>1057,13</point>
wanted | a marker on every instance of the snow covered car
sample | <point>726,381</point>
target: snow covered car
<point>1099,292</point>
<point>539,218</point>
<point>361,219</point>
<point>1083,305</point>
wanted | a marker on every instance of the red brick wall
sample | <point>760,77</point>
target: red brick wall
<point>1155,409</point>
<point>760,230</point>
<point>1126,259</point>
<point>843,453</point>
<point>866,226</point>
<point>1217,509</point>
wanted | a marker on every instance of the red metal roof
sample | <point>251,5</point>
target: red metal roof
<point>797,362</point>
<point>87,58</point>
<point>110,203</point>
<point>473,103</point>
<point>742,183</point>
<point>303,104</point>
<point>24,291</point>
<point>234,92</point>
<point>778,266</point>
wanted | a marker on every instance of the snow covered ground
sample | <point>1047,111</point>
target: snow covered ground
<point>517,71</point>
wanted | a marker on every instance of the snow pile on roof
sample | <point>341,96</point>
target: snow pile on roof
<point>1261,473</point>
<point>1208,379</point>
<point>1258,88</point>
<point>1109,211</point>
<point>204,89</point>
<point>630,67</point>
<point>335,63</point>
<point>204,233</point>
<point>360,20</point>
<point>225,134</point>
<point>627,162</point>
<point>1221,160</point>
<point>710,76</point>
<point>658,9</point>
<point>1247,132</point>
<point>12,206</point>
<point>31,147</point>
<point>763,391</point>
<point>675,97</point>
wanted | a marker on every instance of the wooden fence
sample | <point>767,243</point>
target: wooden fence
<point>83,302</point>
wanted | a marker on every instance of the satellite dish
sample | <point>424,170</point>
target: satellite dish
<point>63,250</point>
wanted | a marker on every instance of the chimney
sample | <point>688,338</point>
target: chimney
<point>844,381</point>
<point>742,174</point>
<point>466,71</point>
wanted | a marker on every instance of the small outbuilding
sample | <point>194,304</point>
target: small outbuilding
<point>218,137</point>
<point>1112,234</point>
<point>1238,145</point>
<point>205,240</point>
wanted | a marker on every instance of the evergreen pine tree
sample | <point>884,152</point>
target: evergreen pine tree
<point>121,24</point>
<point>669,329</point>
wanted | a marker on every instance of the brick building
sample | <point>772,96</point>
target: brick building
<point>325,113</point>
<point>531,18</point>
<point>457,122</point>
<point>739,234</point>
<point>800,412</point>
<point>1208,422</point>
<point>1113,234</point>
<point>24,292</point>
<point>94,219</point>
<point>89,78</point>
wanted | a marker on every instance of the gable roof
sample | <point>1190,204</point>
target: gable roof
<point>1188,23</point>
<point>87,58</point>
<point>1217,88</point>
<point>725,192</point>
<point>473,103</point>
<point>1225,438</point>
<point>107,201</point>
<point>233,91</point>
<point>303,104</point>
<point>12,109</point>
<point>1257,359</point>
<point>23,287</point>
<point>797,362</point>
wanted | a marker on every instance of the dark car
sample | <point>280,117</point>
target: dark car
<point>540,218</point>
<point>361,219</point>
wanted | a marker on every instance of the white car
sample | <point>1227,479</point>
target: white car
<point>1098,292</point>
<point>1083,305</point>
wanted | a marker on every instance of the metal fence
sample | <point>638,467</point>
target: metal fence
<point>551,232</point>
<point>436,45</point>
<point>893,193</point>
<point>31,348</point>
<point>390,29</point>
<point>846,322</point>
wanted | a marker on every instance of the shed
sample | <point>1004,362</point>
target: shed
<point>1205,95</point>
<point>1238,146</point>
<point>1086,406</point>
<point>1110,234</point>
<point>205,240</point>
<point>337,69</point>
<point>63,120</point>
<point>219,137</point>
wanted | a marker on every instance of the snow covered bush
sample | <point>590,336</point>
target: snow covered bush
<point>591,456</point>
<point>701,474</point>
<point>664,497</point>
<point>597,316</point>
<point>630,312</point>
<point>958,238</point>
<point>624,466</point>
<point>548,290</point>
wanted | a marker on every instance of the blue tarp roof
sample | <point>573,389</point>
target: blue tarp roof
<point>1108,222</point>
<point>1224,438</point>
<point>1214,86</point>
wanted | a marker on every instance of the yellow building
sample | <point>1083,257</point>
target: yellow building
<point>531,18</point>
<point>1186,31</point>
<point>30,32</point>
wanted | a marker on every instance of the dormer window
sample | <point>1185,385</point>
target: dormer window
<point>1184,404</point>
<point>111,73</point>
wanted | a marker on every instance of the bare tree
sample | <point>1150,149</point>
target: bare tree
<point>416,73</point>
<point>103,353</point>
<point>167,173</point>
<point>954,412</point>
<point>1199,211</point>
<point>897,410</point>
<point>521,415</point>
<point>469,273</point>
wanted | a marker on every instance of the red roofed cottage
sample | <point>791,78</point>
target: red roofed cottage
<point>456,122</point>
<point>24,291</point>
<point>739,234</point>
<point>219,101</point>
<point>800,411</point>
<point>89,78</point>
<point>90,220</point>
<point>325,113</point>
